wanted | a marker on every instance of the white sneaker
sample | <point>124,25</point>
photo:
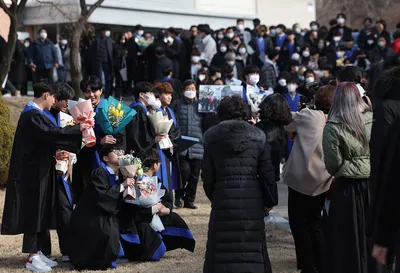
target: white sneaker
<point>35,264</point>
<point>65,258</point>
<point>46,260</point>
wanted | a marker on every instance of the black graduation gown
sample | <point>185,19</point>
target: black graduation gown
<point>141,243</point>
<point>31,193</point>
<point>94,227</point>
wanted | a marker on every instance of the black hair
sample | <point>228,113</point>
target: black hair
<point>106,150</point>
<point>159,50</point>
<point>92,83</point>
<point>142,87</point>
<point>314,23</point>
<point>256,21</point>
<point>383,22</point>
<point>387,85</point>
<point>367,19</point>
<point>218,79</point>
<point>341,15</point>
<point>160,35</point>
<point>332,22</point>
<point>64,91</point>
<point>193,26</point>
<point>149,157</point>
<point>309,71</point>
<point>273,53</point>
<point>188,83</point>
<point>167,71</point>
<point>275,108</point>
<point>41,87</point>
<point>239,20</point>
<point>214,70</point>
<point>138,27</point>
<point>228,69</point>
<point>350,74</point>
<point>232,108</point>
<point>250,69</point>
<point>293,80</point>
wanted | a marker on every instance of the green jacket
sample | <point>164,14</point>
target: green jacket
<point>344,155</point>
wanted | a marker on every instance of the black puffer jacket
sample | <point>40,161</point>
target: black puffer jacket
<point>190,124</point>
<point>239,180</point>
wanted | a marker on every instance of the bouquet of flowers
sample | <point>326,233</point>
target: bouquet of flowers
<point>255,96</point>
<point>113,116</point>
<point>62,166</point>
<point>130,167</point>
<point>82,111</point>
<point>148,194</point>
<point>161,127</point>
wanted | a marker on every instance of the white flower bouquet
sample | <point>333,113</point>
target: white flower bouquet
<point>62,166</point>
<point>130,167</point>
<point>148,194</point>
<point>161,127</point>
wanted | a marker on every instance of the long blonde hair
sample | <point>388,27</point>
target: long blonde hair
<point>348,108</point>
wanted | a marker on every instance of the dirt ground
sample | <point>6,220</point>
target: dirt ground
<point>279,241</point>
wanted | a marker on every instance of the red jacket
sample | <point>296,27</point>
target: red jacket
<point>396,45</point>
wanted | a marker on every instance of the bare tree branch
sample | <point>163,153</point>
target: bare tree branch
<point>6,9</point>
<point>83,5</point>
<point>93,7</point>
<point>21,8</point>
<point>57,7</point>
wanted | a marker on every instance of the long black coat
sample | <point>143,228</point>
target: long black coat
<point>239,180</point>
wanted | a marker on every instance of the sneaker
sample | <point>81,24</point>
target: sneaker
<point>35,264</point>
<point>190,205</point>
<point>46,260</point>
<point>65,258</point>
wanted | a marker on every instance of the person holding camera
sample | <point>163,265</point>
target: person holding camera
<point>308,181</point>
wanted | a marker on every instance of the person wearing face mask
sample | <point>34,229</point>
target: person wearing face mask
<point>334,47</point>
<point>261,44</point>
<point>292,67</point>
<point>297,32</point>
<point>120,63</point>
<point>365,32</point>
<point>341,27</point>
<point>272,32</point>
<point>190,124</point>
<point>313,63</point>
<point>195,63</point>
<point>202,78</point>
<point>382,32</point>
<point>215,73</point>
<point>243,58</point>
<point>218,60</point>
<point>175,83</point>
<point>314,26</point>
<point>305,56</point>
<point>229,76</point>
<point>150,57</point>
<point>304,87</point>
<point>340,56</point>
<point>382,52</point>
<point>219,35</point>
<point>281,87</point>
<point>18,70</point>
<point>177,54</point>
<point>60,70</point>
<point>245,36</point>
<point>103,59</point>
<point>163,62</point>
<point>350,49</point>
<point>289,47</point>
<point>230,60</point>
<point>43,57</point>
<point>252,77</point>
<point>280,37</point>
<point>139,133</point>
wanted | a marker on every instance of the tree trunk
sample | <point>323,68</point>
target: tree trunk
<point>76,68</point>
<point>8,51</point>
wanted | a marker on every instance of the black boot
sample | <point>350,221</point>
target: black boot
<point>189,205</point>
<point>178,202</point>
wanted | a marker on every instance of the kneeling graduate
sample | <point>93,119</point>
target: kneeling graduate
<point>94,227</point>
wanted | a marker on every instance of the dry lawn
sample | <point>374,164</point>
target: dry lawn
<point>279,241</point>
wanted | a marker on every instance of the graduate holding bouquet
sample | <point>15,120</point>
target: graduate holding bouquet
<point>82,111</point>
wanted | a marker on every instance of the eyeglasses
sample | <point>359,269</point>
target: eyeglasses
<point>119,152</point>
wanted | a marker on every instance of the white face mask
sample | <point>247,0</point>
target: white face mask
<point>302,33</point>
<point>340,54</point>
<point>273,32</point>
<point>254,79</point>
<point>122,41</point>
<point>229,35</point>
<point>337,39</point>
<point>107,33</point>
<point>296,68</point>
<point>156,105</point>
<point>381,44</point>
<point>223,49</point>
<point>282,82</point>
<point>27,44</point>
<point>150,99</point>
<point>310,79</point>
<point>231,63</point>
<point>291,88</point>
<point>240,27</point>
<point>220,36</point>
<point>165,40</point>
<point>321,46</point>
<point>140,32</point>
<point>242,50</point>
<point>195,59</point>
<point>202,77</point>
<point>64,42</point>
<point>298,30</point>
<point>340,20</point>
<point>189,94</point>
<point>314,27</point>
<point>306,54</point>
<point>370,42</point>
<point>296,56</point>
<point>278,31</point>
<point>43,35</point>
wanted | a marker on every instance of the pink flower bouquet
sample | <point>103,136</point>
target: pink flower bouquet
<point>82,112</point>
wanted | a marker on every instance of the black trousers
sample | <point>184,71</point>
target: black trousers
<point>190,171</point>
<point>32,243</point>
<point>64,212</point>
<point>306,225</point>
<point>43,74</point>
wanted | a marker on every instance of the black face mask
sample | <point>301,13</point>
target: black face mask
<point>229,77</point>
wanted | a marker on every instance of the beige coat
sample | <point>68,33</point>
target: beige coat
<point>305,170</point>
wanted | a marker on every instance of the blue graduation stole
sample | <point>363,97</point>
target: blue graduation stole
<point>138,103</point>
<point>294,106</point>
<point>166,79</point>
<point>31,106</point>
<point>52,118</point>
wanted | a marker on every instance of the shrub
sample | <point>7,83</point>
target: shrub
<point>6,141</point>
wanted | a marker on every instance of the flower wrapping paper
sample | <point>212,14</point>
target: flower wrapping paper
<point>82,111</point>
<point>62,166</point>
<point>161,127</point>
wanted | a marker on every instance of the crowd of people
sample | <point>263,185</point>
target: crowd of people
<point>328,109</point>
